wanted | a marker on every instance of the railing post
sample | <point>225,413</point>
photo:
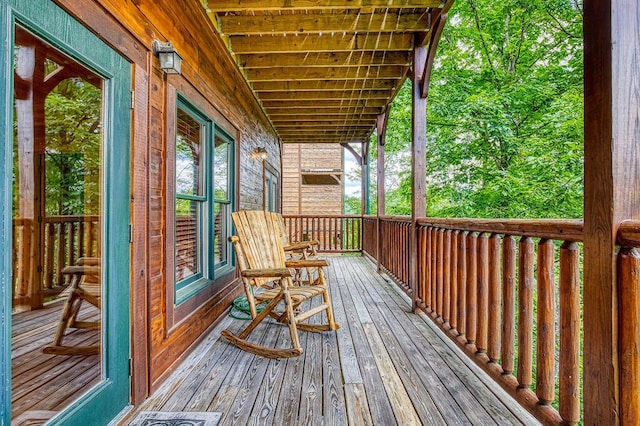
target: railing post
<point>611,176</point>
<point>418,159</point>
<point>629,278</point>
<point>381,128</point>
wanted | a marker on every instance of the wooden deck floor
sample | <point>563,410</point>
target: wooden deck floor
<point>384,366</point>
<point>41,385</point>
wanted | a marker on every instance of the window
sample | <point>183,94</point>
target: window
<point>203,201</point>
<point>222,160</point>
<point>273,195</point>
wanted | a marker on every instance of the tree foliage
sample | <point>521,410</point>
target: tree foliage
<point>505,115</point>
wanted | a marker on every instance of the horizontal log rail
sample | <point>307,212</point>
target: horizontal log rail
<point>507,292</point>
<point>64,239</point>
<point>334,233</point>
<point>629,319</point>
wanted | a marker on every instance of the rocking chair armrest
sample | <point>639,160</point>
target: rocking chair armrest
<point>266,273</point>
<point>82,270</point>
<point>306,263</point>
<point>306,245</point>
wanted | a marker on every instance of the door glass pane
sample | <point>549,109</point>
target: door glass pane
<point>57,232</point>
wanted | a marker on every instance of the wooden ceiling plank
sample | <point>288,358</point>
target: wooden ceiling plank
<point>320,43</point>
<point>324,103</point>
<point>328,94</point>
<point>301,111</point>
<point>323,59</point>
<point>326,122</point>
<point>323,124</point>
<point>315,23</point>
<point>255,5</point>
<point>329,117</point>
<point>322,132</point>
<point>329,73</point>
<point>310,85</point>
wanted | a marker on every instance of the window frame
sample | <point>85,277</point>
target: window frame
<point>228,264</point>
<point>209,271</point>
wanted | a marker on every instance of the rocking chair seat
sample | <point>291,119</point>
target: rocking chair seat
<point>297,294</point>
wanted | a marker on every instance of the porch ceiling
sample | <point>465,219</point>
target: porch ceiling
<point>324,69</point>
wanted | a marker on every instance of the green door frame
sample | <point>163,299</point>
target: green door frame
<point>45,19</point>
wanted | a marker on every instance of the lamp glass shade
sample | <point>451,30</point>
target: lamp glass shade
<point>170,62</point>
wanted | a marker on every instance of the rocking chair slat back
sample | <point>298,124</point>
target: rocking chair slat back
<point>261,243</point>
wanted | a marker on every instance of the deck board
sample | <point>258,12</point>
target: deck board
<point>386,365</point>
<point>41,384</point>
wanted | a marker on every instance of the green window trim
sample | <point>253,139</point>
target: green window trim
<point>56,27</point>
<point>209,268</point>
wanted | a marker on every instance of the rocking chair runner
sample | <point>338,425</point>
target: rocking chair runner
<point>267,278</point>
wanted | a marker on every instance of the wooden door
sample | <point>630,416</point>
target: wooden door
<point>43,48</point>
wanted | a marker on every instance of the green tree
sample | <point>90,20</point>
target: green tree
<point>505,114</point>
<point>73,114</point>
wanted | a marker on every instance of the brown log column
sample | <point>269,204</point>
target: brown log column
<point>381,130</point>
<point>418,155</point>
<point>364,181</point>
<point>612,156</point>
<point>30,132</point>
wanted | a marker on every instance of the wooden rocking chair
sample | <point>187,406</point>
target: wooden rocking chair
<point>267,278</point>
<point>84,286</point>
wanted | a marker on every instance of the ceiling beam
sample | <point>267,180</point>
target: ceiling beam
<point>329,94</point>
<point>324,139</point>
<point>351,136</point>
<point>301,111</point>
<point>324,59</point>
<point>253,5</point>
<point>310,85</point>
<point>329,73</point>
<point>353,152</point>
<point>322,117</point>
<point>320,43</point>
<point>324,132</point>
<point>315,23</point>
<point>320,124</point>
<point>324,103</point>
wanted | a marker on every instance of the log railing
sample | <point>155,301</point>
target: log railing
<point>508,293</point>
<point>64,239</point>
<point>629,320</point>
<point>337,233</point>
<point>493,289</point>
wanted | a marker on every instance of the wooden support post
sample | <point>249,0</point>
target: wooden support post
<point>364,167</point>
<point>418,157</point>
<point>611,169</point>
<point>381,129</point>
<point>31,140</point>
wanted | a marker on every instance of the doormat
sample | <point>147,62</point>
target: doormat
<point>184,418</point>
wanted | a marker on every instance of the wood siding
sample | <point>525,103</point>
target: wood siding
<point>311,159</point>
<point>162,332</point>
